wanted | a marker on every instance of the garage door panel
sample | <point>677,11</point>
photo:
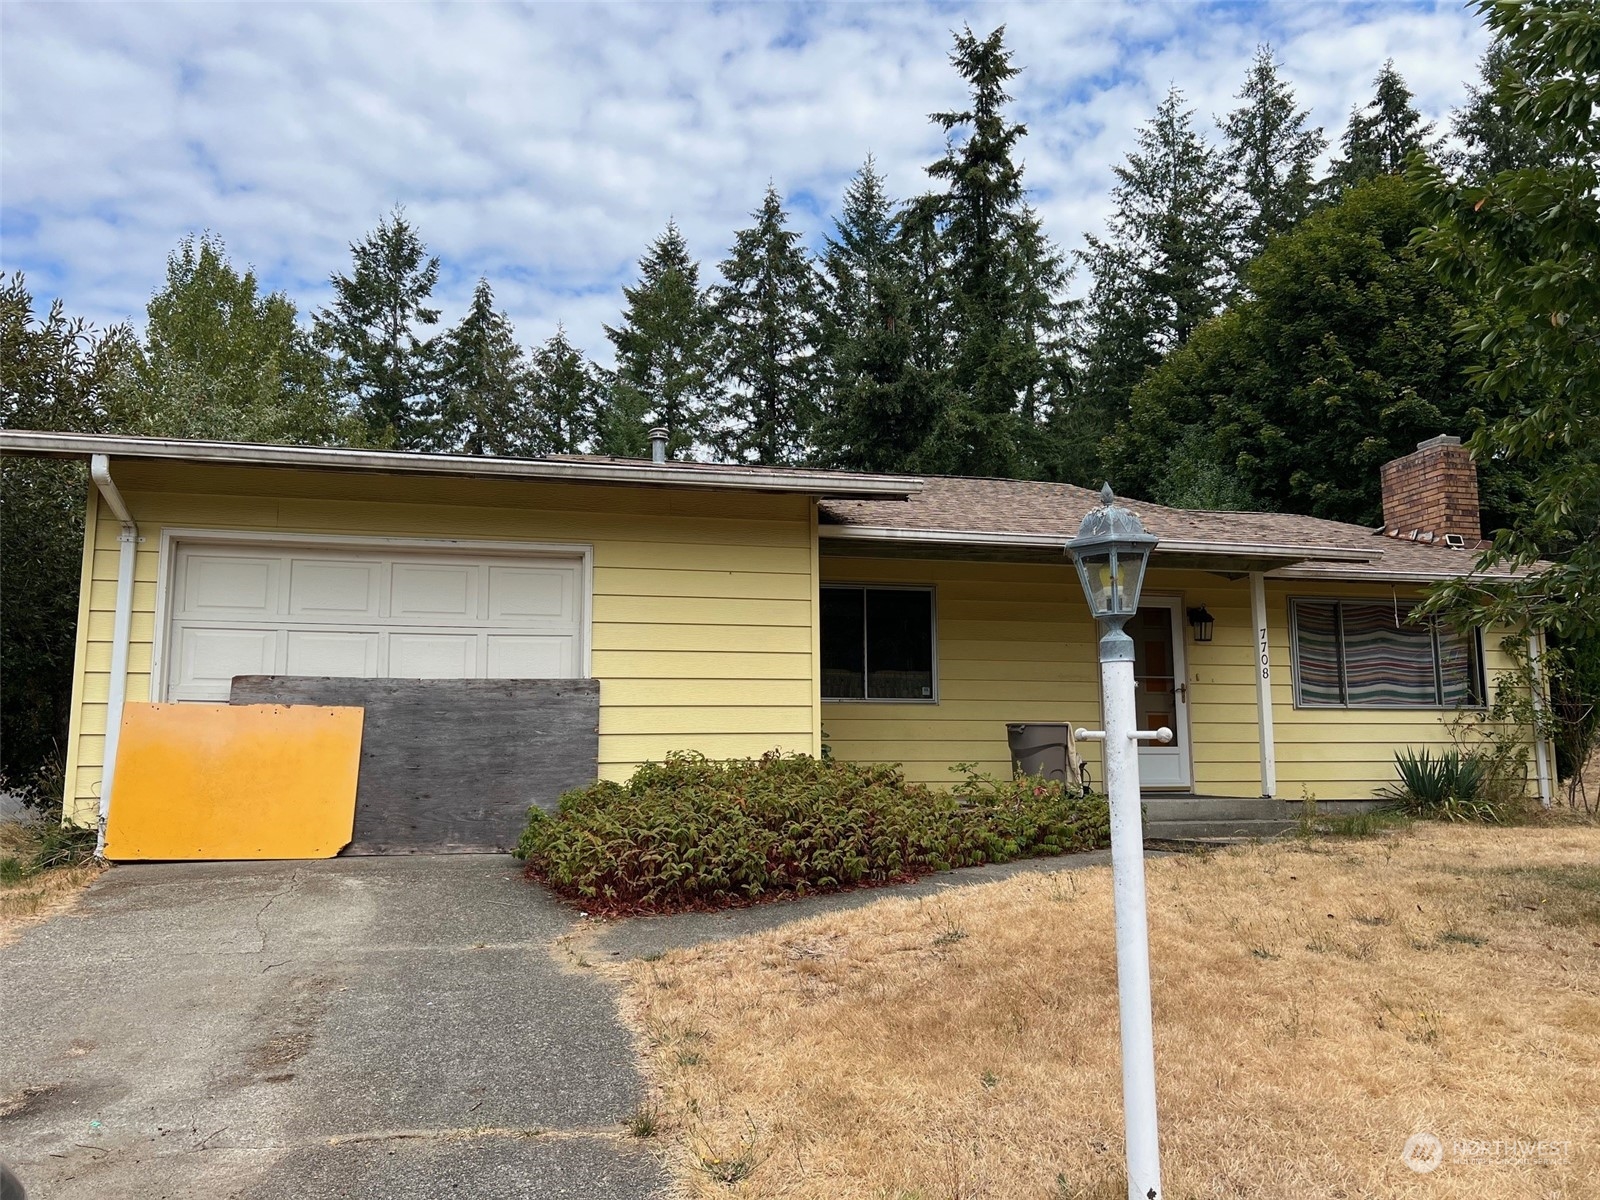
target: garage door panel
<point>523,656</point>
<point>433,656</point>
<point>434,592</point>
<point>209,658</point>
<point>366,613</point>
<point>533,594</point>
<point>331,590</point>
<point>343,654</point>
<point>224,585</point>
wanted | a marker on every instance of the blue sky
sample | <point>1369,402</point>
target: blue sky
<point>544,145</point>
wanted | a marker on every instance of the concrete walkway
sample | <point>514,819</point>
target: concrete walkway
<point>363,1027</point>
<point>640,937</point>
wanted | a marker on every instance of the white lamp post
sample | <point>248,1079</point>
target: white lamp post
<point>1111,551</point>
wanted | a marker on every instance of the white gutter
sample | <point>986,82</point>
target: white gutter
<point>829,484</point>
<point>1263,672</point>
<point>1540,756</point>
<point>1052,541</point>
<point>127,547</point>
<point>1375,576</point>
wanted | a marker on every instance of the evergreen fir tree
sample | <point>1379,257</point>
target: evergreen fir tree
<point>482,404</point>
<point>663,355</point>
<point>766,342</point>
<point>876,400</point>
<point>1380,137</point>
<point>1494,136</point>
<point>624,420</point>
<point>1162,269</point>
<point>372,330</point>
<point>566,398</point>
<point>1004,277</point>
<point>1271,152</point>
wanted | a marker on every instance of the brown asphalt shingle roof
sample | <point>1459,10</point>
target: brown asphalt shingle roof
<point>951,504</point>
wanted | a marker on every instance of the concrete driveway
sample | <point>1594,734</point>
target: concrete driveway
<point>361,1027</point>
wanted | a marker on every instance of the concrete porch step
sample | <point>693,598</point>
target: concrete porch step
<point>1201,818</point>
<point>1189,831</point>
<point>1202,808</point>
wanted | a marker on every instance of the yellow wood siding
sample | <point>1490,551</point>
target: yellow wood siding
<point>1015,643</point>
<point>703,627</point>
<point>1335,753</point>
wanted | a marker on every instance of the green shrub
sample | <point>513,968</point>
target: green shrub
<point>1452,787</point>
<point>695,833</point>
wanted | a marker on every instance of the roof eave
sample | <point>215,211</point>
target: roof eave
<point>1283,554</point>
<point>319,458</point>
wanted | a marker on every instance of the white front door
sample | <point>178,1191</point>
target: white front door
<point>1161,691</point>
<point>379,613</point>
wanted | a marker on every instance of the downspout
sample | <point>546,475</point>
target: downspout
<point>1540,757</point>
<point>122,623</point>
<point>1262,668</point>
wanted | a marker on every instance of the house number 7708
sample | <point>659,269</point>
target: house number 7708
<point>1266,666</point>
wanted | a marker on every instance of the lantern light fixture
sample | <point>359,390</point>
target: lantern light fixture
<point>1111,552</point>
<point>1202,623</point>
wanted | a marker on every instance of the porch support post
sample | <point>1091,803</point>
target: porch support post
<point>1540,746</point>
<point>1263,672</point>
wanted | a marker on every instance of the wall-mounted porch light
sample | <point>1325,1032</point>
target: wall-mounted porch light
<point>1201,622</point>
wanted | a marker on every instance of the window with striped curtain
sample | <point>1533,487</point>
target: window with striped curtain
<point>1368,654</point>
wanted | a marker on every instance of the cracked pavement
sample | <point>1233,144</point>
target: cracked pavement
<point>355,1027</point>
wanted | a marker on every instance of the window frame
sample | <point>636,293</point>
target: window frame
<point>866,661</point>
<point>1480,683</point>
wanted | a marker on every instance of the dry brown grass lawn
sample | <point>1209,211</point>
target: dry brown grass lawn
<point>1316,1004</point>
<point>37,896</point>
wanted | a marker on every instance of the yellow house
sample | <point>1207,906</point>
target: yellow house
<point>732,610</point>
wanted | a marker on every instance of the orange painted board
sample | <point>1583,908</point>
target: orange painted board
<point>224,781</point>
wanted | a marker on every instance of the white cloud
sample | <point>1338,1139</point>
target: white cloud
<point>545,145</point>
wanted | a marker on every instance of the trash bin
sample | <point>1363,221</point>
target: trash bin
<point>1042,748</point>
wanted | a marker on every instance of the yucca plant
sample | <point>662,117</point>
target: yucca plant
<point>1451,787</point>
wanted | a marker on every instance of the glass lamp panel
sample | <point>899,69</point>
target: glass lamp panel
<point>1130,577</point>
<point>1095,571</point>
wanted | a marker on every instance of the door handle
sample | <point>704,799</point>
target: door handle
<point>1182,689</point>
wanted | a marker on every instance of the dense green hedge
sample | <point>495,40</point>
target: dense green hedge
<point>696,833</point>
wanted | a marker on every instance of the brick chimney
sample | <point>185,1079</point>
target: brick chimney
<point>1432,494</point>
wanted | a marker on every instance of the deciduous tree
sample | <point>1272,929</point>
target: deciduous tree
<point>1340,359</point>
<point>56,373</point>
<point>220,360</point>
<point>1526,243</point>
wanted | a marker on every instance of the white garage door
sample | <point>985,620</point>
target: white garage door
<point>247,610</point>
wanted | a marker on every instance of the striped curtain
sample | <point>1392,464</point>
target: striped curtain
<point>1316,626</point>
<point>1388,663</point>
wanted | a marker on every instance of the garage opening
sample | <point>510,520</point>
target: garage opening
<point>469,664</point>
